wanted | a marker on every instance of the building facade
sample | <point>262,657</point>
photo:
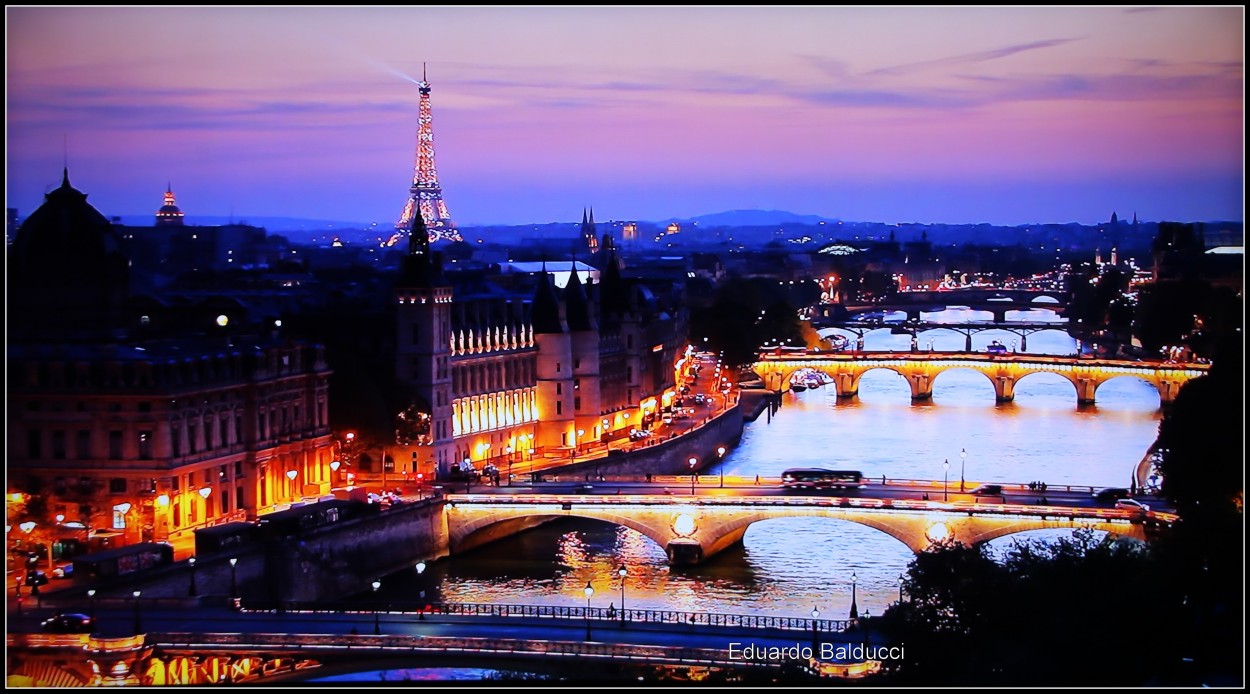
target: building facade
<point>117,437</point>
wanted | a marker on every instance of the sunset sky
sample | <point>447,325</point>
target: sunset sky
<point>883,114</point>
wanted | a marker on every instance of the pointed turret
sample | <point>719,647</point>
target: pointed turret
<point>576,305</point>
<point>420,268</point>
<point>545,310</point>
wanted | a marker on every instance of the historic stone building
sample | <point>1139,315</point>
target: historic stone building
<point>118,435</point>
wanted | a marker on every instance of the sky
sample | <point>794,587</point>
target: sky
<point>1007,115</point>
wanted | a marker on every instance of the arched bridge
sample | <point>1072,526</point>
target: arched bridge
<point>996,301</point>
<point>693,528</point>
<point>1004,371</point>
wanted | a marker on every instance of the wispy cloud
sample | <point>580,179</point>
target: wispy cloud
<point>977,57</point>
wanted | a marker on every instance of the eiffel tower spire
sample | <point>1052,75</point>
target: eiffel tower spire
<point>425,194</point>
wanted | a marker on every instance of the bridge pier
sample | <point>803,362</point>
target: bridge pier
<point>921,386</point>
<point>684,552</point>
<point>1004,389</point>
<point>968,342</point>
<point>1024,342</point>
<point>846,385</point>
<point>1085,388</point>
<point>1000,315</point>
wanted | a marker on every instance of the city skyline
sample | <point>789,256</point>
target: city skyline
<point>1009,116</point>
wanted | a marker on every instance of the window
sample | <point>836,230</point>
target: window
<point>577,403</point>
<point>559,407</point>
<point>577,364</point>
<point>225,503</point>
<point>577,384</point>
<point>238,469</point>
<point>115,407</point>
<point>193,436</point>
<point>557,367</point>
<point>221,473</point>
<point>117,485</point>
<point>238,497</point>
<point>119,519</point>
<point>115,444</point>
<point>221,430</point>
<point>559,389</point>
<point>176,441</point>
<point>82,444</point>
<point>145,445</point>
<point>34,443</point>
<point>145,406</point>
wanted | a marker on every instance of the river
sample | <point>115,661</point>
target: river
<point>790,566</point>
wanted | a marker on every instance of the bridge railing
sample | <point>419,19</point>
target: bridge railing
<point>712,479</point>
<point>573,613</point>
<point>270,643</point>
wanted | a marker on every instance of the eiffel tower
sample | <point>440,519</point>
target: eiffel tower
<point>426,195</point>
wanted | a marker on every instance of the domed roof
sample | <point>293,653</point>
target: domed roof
<point>67,265</point>
<point>169,214</point>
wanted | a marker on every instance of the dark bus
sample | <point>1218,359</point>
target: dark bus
<point>820,478</point>
<point>123,560</point>
<point>227,537</point>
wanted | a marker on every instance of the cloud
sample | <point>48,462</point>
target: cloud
<point>978,57</point>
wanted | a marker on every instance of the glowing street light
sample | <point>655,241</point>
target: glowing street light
<point>622,573</point>
<point>946,468</point>
<point>138,624</point>
<point>91,609</point>
<point>589,590</point>
<point>815,631</point>
<point>377,627</point>
<point>900,589</point>
<point>421,593</point>
<point>234,585</point>
<point>963,458</point>
<point>192,590</point>
<point>693,462</point>
<point>720,456</point>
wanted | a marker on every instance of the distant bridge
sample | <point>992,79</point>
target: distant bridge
<point>1004,371</point>
<point>996,301</point>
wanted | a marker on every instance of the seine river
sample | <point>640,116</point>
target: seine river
<point>790,566</point>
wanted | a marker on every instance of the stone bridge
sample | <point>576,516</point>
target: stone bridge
<point>693,528</point>
<point>1003,371</point>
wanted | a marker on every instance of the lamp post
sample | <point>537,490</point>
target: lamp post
<point>900,589</point>
<point>815,632</point>
<point>693,462</point>
<point>421,592</point>
<point>91,607</point>
<point>291,475</point>
<point>191,590</point>
<point>720,456</point>
<point>377,626</point>
<point>622,573</point>
<point>946,468</point>
<point>589,591</point>
<point>138,624</point>
<point>234,585</point>
<point>963,458</point>
<point>334,472</point>
<point>854,607</point>
<point>867,638</point>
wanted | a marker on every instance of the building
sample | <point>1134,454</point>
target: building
<point>501,371</point>
<point>118,436</point>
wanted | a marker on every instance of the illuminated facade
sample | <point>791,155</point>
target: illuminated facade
<point>507,376</point>
<point>116,438</point>
<point>426,195</point>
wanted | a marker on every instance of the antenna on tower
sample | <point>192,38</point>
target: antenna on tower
<point>423,79</point>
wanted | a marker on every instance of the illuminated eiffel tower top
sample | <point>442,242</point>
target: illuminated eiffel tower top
<point>425,194</point>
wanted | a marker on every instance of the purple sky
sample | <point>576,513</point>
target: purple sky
<point>1000,115</point>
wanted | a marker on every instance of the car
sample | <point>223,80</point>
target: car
<point>1111,494</point>
<point>65,571</point>
<point>989,490</point>
<point>1132,505</point>
<point>71,623</point>
<point>584,488</point>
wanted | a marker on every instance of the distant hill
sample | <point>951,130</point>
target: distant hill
<point>751,218</point>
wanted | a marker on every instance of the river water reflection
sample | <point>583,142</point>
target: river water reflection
<point>790,566</point>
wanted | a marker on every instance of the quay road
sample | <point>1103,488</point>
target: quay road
<point>727,487</point>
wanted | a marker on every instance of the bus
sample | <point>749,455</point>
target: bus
<point>820,478</point>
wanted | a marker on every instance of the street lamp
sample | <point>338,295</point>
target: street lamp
<point>854,607</point>
<point>234,586</point>
<point>693,462</point>
<point>192,590</point>
<point>946,468</point>
<point>421,593</point>
<point>900,589</point>
<point>291,475</point>
<point>589,591</point>
<point>334,471</point>
<point>377,627</point>
<point>815,632</point>
<point>91,609</point>
<point>622,573</point>
<point>963,458</point>
<point>138,625</point>
<point>720,455</point>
